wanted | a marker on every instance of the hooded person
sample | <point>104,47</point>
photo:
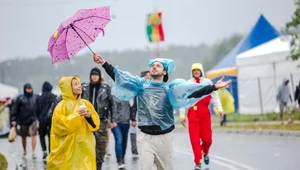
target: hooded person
<point>99,94</point>
<point>155,103</point>
<point>74,120</point>
<point>199,118</point>
<point>46,104</point>
<point>285,100</point>
<point>25,115</point>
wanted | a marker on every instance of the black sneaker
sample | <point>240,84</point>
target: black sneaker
<point>121,165</point>
<point>99,166</point>
<point>45,155</point>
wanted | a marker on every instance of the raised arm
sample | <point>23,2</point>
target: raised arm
<point>185,94</point>
<point>126,85</point>
<point>109,69</point>
<point>203,91</point>
<point>209,88</point>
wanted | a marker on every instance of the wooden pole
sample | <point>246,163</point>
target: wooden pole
<point>158,50</point>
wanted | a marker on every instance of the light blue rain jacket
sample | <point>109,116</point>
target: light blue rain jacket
<point>155,100</point>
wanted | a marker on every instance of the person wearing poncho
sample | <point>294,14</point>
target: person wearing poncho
<point>72,139</point>
<point>155,103</point>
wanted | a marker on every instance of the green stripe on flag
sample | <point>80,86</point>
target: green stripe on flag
<point>149,28</point>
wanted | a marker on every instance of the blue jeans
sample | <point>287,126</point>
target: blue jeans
<point>121,136</point>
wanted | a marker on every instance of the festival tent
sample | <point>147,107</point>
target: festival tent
<point>261,71</point>
<point>262,32</point>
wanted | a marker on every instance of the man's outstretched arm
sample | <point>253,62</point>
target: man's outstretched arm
<point>209,88</point>
<point>204,91</point>
<point>109,69</point>
<point>127,86</point>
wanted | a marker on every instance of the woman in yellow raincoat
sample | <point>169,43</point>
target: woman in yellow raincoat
<point>72,140</point>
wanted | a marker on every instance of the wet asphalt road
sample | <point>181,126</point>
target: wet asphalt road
<point>228,152</point>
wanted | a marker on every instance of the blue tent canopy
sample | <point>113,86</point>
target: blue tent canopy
<point>262,32</point>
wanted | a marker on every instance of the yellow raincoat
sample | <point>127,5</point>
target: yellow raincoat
<point>227,101</point>
<point>72,140</point>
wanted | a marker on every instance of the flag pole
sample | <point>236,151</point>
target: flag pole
<point>157,50</point>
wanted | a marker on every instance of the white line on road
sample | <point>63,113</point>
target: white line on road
<point>214,161</point>
<point>225,161</point>
<point>246,167</point>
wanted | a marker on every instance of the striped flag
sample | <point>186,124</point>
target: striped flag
<point>155,31</point>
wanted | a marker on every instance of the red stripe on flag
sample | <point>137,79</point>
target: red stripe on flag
<point>160,28</point>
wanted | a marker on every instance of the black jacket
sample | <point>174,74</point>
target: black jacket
<point>124,111</point>
<point>105,104</point>
<point>45,102</point>
<point>25,109</point>
<point>156,130</point>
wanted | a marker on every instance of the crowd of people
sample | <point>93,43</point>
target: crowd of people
<point>78,122</point>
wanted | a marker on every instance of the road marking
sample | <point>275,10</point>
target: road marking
<point>240,165</point>
<point>233,165</point>
<point>214,161</point>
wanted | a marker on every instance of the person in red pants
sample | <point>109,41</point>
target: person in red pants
<point>199,119</point>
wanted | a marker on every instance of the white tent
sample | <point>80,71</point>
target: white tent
<point>261,71</point>
<point>8,91</point>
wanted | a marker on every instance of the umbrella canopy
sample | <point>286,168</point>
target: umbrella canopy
<point>77,32</point>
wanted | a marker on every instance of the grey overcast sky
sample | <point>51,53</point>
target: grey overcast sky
<point>26,25</point>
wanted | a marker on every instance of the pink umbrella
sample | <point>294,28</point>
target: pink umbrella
<point>77,32</point>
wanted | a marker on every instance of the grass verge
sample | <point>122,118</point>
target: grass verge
<point>295,127</point>
<point>236,117</point>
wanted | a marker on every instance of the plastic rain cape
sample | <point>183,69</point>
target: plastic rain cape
<point>72,140</point>
<point>156,100</point>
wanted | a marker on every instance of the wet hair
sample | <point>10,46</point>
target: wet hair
<point>166,77</point>
<point>143,73</point>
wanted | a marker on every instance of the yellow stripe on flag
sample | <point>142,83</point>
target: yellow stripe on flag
<point>155,33</point>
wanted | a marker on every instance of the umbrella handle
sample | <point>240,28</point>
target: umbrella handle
<point>72,26</point>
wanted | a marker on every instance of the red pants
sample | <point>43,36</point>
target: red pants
<point>200,131</point>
